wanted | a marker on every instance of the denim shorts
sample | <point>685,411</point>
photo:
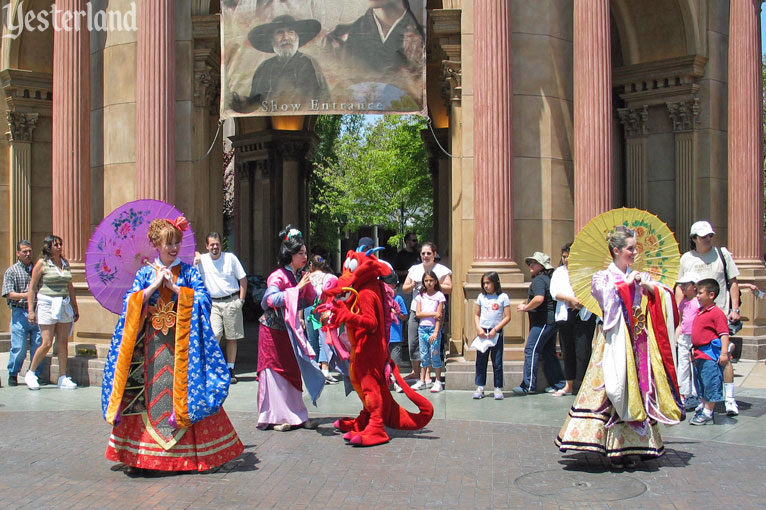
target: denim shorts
<point>708,377</point>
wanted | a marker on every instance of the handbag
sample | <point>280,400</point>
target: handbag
<point>734,326</point>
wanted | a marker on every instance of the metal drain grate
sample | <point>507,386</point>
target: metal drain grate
<point>581,486</point>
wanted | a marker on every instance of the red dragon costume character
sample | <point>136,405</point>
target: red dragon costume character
<point>368,322</point>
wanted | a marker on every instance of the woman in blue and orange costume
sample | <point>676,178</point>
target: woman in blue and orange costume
<point>284,354</point>
<point>165,378</point>
<point>630,385</point>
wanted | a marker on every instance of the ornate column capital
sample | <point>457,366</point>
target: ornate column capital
<point>21,126</point>
<point>634,121</point>
<point>207,61</point>
<point>452,75</point>
<point>684,114</point>
<point>207,84</point>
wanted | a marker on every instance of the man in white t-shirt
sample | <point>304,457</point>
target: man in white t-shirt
<point>709,262</point>
<point>226,281</point>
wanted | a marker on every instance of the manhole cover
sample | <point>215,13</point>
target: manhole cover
<point>579,486</point>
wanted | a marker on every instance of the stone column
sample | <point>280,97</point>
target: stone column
<point>439,164</point>
<point>493,139</point>
<point>745,134</point>
<point>684,116</point>
<point>71,135</point>
<point>592,110</point>
<point>20,140</point>
<point>634,123</point>
<point>155,117</point>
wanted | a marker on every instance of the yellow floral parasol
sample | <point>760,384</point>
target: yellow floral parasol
<point>656,250</point>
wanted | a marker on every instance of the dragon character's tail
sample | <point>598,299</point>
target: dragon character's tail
<point>402,419</point>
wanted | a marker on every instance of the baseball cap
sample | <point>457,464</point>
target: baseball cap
<point>366,242</point>
<point>701,229</point>
<point>690,277</point>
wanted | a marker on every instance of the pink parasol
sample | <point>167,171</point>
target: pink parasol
<point>119,247</point>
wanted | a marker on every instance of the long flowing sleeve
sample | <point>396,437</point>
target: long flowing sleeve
<point>208,377</point>
<point>604,289</point>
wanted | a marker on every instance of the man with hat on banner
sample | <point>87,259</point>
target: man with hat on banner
<point>290,77</point>
<point>542,329</point>
<point>708,261</point>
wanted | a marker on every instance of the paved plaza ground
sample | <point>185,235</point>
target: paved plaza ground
<point>475,454</point>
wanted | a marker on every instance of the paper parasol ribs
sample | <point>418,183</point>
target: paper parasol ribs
<point>119,247</point>
<point>656,250</point>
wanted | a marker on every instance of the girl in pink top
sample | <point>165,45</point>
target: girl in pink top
<point>429,309</point>
<point>688,308</point>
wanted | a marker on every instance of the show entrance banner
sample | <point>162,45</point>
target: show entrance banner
<point>310,57</point>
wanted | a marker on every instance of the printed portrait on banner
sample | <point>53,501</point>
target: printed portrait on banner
<point>304,57</point>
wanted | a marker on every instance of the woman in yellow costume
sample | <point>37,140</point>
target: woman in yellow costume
<point>630,385</point>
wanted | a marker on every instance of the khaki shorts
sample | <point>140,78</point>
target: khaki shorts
<point>226,319</point>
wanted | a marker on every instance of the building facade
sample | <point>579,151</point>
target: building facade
<point>544,114</point>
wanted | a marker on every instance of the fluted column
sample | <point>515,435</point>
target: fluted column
<point>19,136</point>
<point>635,125</point>
<point>493,135</point>
<point>155,102</point>
<point>745,133</point>
<point>592,110</point>
<point>71,135</point>
<point>684,115</point>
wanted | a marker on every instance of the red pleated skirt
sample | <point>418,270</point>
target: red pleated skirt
<point>208,443</point>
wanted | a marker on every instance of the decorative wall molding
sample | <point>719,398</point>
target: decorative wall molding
<point>207,61</point>
<point>445,48</point>
<point>657,82</point>
<point>27,90</point>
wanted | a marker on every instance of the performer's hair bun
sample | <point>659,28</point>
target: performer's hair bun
<point>163,231</point>
<point>292,242</point>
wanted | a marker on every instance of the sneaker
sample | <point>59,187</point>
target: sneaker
<point>499,394</point>
<point>31,379</point>
<point>732,409</point>
<point>518,390</point>
<point>419,385</point>
<point>479,393</point>
<point>13,380</point>
<point>234,379</point>
<point>429,382</point>
<point>437,387</point>
<point>550,389</point>
<point>397,388</point>
<point>66,383</point>
<point>701,419</point>
<point>691,403</point>
<point>283,427</point>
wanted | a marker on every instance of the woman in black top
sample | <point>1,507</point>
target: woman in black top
<point>542,328</point>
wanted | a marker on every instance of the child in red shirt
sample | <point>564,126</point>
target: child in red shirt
<point>710,338</point>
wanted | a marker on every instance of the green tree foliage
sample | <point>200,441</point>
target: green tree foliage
<point>375,174</point>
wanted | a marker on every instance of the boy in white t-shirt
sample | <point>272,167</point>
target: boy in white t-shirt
<point>491,313</point>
